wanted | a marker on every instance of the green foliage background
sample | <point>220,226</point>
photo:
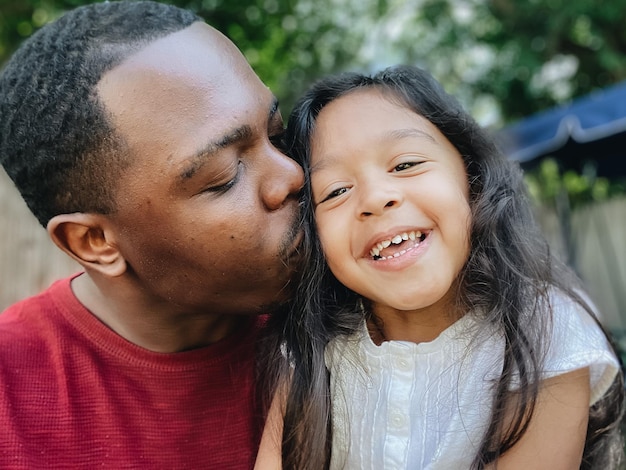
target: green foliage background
<point>485,51</point>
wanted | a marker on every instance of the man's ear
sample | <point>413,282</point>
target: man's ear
<point>88,239</point>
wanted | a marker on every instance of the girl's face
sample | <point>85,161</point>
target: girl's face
<point>391,203</point>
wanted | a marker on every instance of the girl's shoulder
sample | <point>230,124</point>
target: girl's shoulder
<point>577,341</point>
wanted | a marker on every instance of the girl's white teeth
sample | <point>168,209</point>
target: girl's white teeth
<point>413,235</point>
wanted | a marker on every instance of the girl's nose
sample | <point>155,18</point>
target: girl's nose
<point>377,198</point>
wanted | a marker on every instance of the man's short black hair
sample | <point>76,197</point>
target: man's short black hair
<point>56,142</point>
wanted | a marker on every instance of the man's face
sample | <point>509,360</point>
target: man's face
<point>207,213</point>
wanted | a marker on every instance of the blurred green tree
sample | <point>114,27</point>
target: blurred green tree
<point>288,42</point>
<point>505,59</point>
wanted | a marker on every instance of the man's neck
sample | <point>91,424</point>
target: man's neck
<point>153,327</point>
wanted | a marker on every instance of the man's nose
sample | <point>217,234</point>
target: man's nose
<point>282,180</point>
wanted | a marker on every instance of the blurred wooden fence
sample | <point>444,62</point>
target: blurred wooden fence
<point>597,241</point>
<point>29,261</point>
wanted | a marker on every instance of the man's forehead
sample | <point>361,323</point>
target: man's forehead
<point>182,91</point>
<point>196,48</point>
<point>175,70</point>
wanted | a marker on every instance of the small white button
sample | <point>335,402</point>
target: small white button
<point>397,420</point>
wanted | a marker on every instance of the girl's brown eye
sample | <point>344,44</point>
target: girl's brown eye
<point>404,166</point>
<point>335,193</point>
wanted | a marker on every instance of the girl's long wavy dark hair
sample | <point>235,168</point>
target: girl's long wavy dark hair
<point>507,277</point>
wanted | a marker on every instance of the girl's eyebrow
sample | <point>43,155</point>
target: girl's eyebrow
<point>323,163</point>
<point>409,132</point>
<point>396,134</point>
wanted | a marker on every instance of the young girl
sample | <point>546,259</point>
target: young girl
<point>432,329</point>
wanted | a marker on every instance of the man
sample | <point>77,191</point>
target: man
<point>143,141</point>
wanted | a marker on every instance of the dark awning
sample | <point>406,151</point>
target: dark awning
<point>590,129</point>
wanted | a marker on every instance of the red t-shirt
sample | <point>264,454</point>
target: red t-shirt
<point>73,394</point>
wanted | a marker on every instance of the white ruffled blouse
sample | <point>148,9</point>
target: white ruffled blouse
<point>403,405</point>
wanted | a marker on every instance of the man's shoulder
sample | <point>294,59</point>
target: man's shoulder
<point>27,318</point>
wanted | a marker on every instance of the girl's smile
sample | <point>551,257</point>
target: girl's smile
<point>399,251</point>
<point>400,243</point>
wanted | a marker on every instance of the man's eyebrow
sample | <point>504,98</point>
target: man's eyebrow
<point>195,162</point>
